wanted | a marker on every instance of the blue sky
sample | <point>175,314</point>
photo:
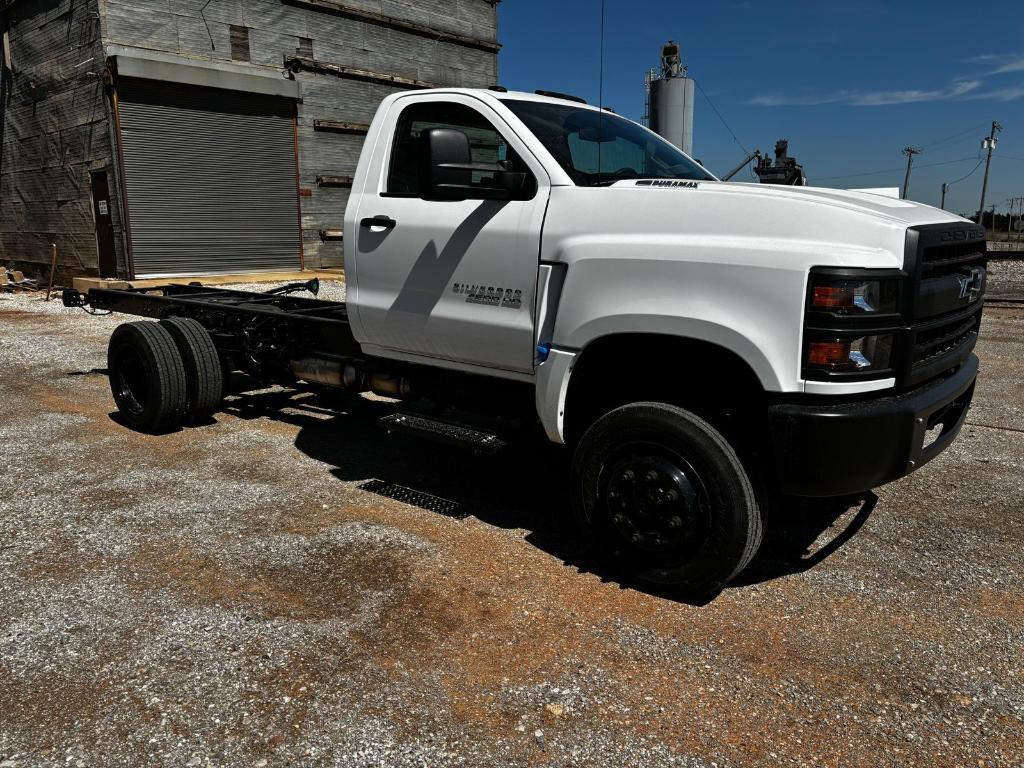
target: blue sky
<point>848,83</point>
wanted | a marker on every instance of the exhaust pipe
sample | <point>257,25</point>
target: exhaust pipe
<point>389,385</point>
<point>329,372</point>
<point>341,374</point>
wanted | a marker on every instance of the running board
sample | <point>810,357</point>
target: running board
<point>442,431</point>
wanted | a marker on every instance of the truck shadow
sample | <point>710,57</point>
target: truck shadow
<point>523,488</point>
<point>801,533</point>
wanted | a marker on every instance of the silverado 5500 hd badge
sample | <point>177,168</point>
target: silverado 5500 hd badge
<point>490,295</point>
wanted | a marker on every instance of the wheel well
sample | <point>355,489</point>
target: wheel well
<point>705,378</point>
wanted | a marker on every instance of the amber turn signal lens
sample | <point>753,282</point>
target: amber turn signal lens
<point>828,354</point>
<point>832,297</point>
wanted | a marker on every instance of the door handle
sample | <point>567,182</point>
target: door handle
<point>378,221</point>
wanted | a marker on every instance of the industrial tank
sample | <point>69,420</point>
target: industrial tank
<point>671,100</point>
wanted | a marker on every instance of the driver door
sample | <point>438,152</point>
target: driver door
<point>449,280</point>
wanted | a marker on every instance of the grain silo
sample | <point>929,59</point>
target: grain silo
<point>671,100</point>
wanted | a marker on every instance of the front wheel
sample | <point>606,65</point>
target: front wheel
<point>662,495</point>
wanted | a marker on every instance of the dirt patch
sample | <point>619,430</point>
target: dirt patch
<point>328,581</point>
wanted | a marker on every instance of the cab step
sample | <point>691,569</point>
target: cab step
<point>442,431</point>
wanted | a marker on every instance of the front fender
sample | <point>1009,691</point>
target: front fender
<point>697,329</point>
<point>554,374</point>
<point>755,312</point>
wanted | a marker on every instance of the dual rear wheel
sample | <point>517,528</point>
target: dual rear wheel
<point>162,374</point>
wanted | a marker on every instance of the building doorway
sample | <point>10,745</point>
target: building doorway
<point>104,224</point>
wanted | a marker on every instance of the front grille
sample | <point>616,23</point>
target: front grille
<point>946,263</point>
<point>934,342</point>
<point>948,259</point>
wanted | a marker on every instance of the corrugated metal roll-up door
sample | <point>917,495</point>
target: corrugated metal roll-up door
<point>209,176</point>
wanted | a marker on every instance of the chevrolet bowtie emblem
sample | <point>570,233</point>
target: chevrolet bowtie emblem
<point>970,284</point>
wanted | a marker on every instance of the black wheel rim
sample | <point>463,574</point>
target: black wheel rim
<point>655,500</point>
<point>130,380</point>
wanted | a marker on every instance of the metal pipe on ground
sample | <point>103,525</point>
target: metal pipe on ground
<point>53,269</point>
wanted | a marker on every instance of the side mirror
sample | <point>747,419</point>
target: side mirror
<point>446,170</point>
<point>444,157</point>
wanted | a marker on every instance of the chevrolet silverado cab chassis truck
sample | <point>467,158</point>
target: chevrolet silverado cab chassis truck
<point>524,259</point>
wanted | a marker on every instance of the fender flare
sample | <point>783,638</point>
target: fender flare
<point>555,373</point>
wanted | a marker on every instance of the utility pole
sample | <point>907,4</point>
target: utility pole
<point>988,143</point>
<point>1020,217</point>
<point>945,189</point>
<point>909,152</point>
<point>993,208</point>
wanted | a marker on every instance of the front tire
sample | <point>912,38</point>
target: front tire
<point>661,495</point>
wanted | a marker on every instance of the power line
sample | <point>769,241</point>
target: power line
<point>715,109</point>
<point>975,168</point>
<point>954,136</point>
<point>893,170</point>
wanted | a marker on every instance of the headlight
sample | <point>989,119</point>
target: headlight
<point>852,297</point>
<point>850,355</point>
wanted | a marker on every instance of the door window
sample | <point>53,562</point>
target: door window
<point>486,145</point>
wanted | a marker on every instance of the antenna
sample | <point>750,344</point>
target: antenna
<point>600,95</point>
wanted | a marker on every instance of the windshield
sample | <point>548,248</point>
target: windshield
<point>599,148</point>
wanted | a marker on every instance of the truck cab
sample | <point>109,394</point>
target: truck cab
<point>565,246</point>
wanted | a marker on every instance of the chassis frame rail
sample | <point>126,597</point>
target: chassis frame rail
<point>238,321</point>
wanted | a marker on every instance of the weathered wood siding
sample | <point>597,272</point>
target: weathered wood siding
<point>55,131</point>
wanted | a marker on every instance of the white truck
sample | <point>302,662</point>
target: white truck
<point>526,259</point>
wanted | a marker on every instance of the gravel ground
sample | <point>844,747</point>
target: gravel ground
<point>330,290</point>
<point>287,586</point>
<point>1005,278</point>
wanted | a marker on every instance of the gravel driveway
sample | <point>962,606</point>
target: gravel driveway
<point>287,586</point>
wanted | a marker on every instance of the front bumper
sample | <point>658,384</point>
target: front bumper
<point>828,449</point>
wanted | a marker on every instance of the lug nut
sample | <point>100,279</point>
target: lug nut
<point>675,522</point>
<point>651,475</point>
<point>672,494</point>
<point>628,475</point>
<point>636,538</point>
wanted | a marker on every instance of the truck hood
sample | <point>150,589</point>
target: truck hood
<point>903,212</point>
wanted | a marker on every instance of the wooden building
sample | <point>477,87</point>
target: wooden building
<point>153,138</point>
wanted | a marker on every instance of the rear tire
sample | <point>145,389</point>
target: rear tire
<point>147,377</point>
<point>204,373</point>
<point>660,495</point>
